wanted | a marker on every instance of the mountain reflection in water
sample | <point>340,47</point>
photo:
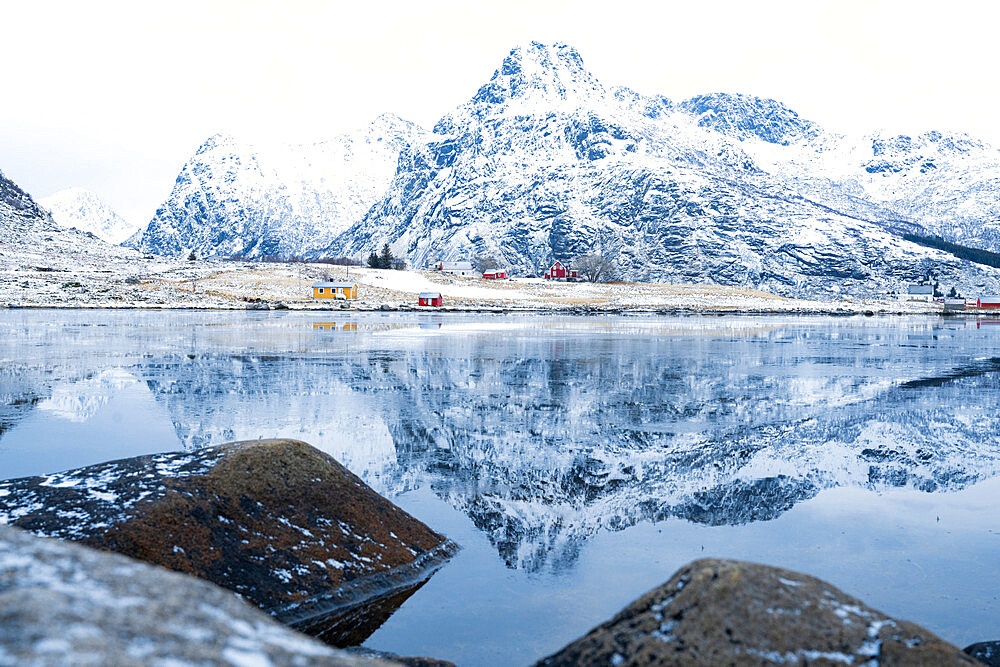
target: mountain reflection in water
<point>546,431</point>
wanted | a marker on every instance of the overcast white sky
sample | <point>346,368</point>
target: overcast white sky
<point>115,96</point>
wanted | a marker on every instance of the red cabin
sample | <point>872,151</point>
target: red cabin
<point>495,274</point>
<point>560,271</point>
<point>430,299</point>
<point>988,302</point>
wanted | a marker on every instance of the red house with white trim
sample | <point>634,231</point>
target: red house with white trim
<point>988,302</point>
<point>560,271</point>
<point>495,274</point>
<point>430,299</point>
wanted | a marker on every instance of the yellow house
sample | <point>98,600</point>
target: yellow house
<point>335,291</point>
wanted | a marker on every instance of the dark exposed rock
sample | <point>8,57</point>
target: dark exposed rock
<point>277,521</point>
<point>715,612</point>
<point>353,624</point>
<point>61,601</point>
<point>16,200</point>
<point>985,652</point>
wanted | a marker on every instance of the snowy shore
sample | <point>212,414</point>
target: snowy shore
<point>53,279</point>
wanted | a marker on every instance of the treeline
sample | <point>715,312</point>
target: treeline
<point>386,260</point>
<point>976,255</point>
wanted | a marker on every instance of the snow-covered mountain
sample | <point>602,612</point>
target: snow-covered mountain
<point>232,198</point>
<point>546,163</point>
<point>43,262</point>
<point>24,224</point>
<point>82,209</point>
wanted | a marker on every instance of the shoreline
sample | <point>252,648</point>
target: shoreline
<point>531,310</point>
<point>124,283</point>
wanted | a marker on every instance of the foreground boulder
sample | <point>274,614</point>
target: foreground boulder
<point>715,612</point>
<point>64,603</point>
<point>987,653</point>
<point>277,521</point>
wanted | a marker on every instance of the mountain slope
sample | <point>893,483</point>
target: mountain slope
<point>81,209</point>
<point>544,163</point>
<point>17,209</point>
<point>232,198</point>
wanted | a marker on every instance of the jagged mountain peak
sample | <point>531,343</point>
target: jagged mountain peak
<point>743,116</point>
<point>276,200</point>
<point>82,209</point>
<point>216,141</point>
<point>538,72</point>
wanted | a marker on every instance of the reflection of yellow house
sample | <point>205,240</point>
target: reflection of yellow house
<point>332,326</point>
<point>335,291</point>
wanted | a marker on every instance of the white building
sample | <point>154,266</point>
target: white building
<point>919,293</point>
<point>454,268</point>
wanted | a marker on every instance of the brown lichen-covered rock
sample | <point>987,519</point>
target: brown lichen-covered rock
<point>63,603</point>
<point>721,612</point>
<point>279,522</point>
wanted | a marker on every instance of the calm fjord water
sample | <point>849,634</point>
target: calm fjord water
<point>578,461</point>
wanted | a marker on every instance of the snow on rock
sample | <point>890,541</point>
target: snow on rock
<point>261,518</point>
<point>82,209</point>
<point>65,602</point>
<point>730,612</point>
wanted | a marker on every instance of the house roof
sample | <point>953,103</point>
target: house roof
<point>336,285</point>
<point>920,289</point>
<point>429,295</point>
<point>456,266</point>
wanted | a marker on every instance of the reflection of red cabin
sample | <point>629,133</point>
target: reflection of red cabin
<point>560,271</point>
<point>988,302</point>
<point>430,299</point>
<point>495,274</point>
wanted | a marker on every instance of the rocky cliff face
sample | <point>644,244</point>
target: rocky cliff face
<point>232,198</point>
<point>544,163</point>
<point>81,209</point>
<point>16,202</point>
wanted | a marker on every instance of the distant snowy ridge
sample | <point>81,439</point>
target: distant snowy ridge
<point>234,199</point>
<point>82,209</point>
